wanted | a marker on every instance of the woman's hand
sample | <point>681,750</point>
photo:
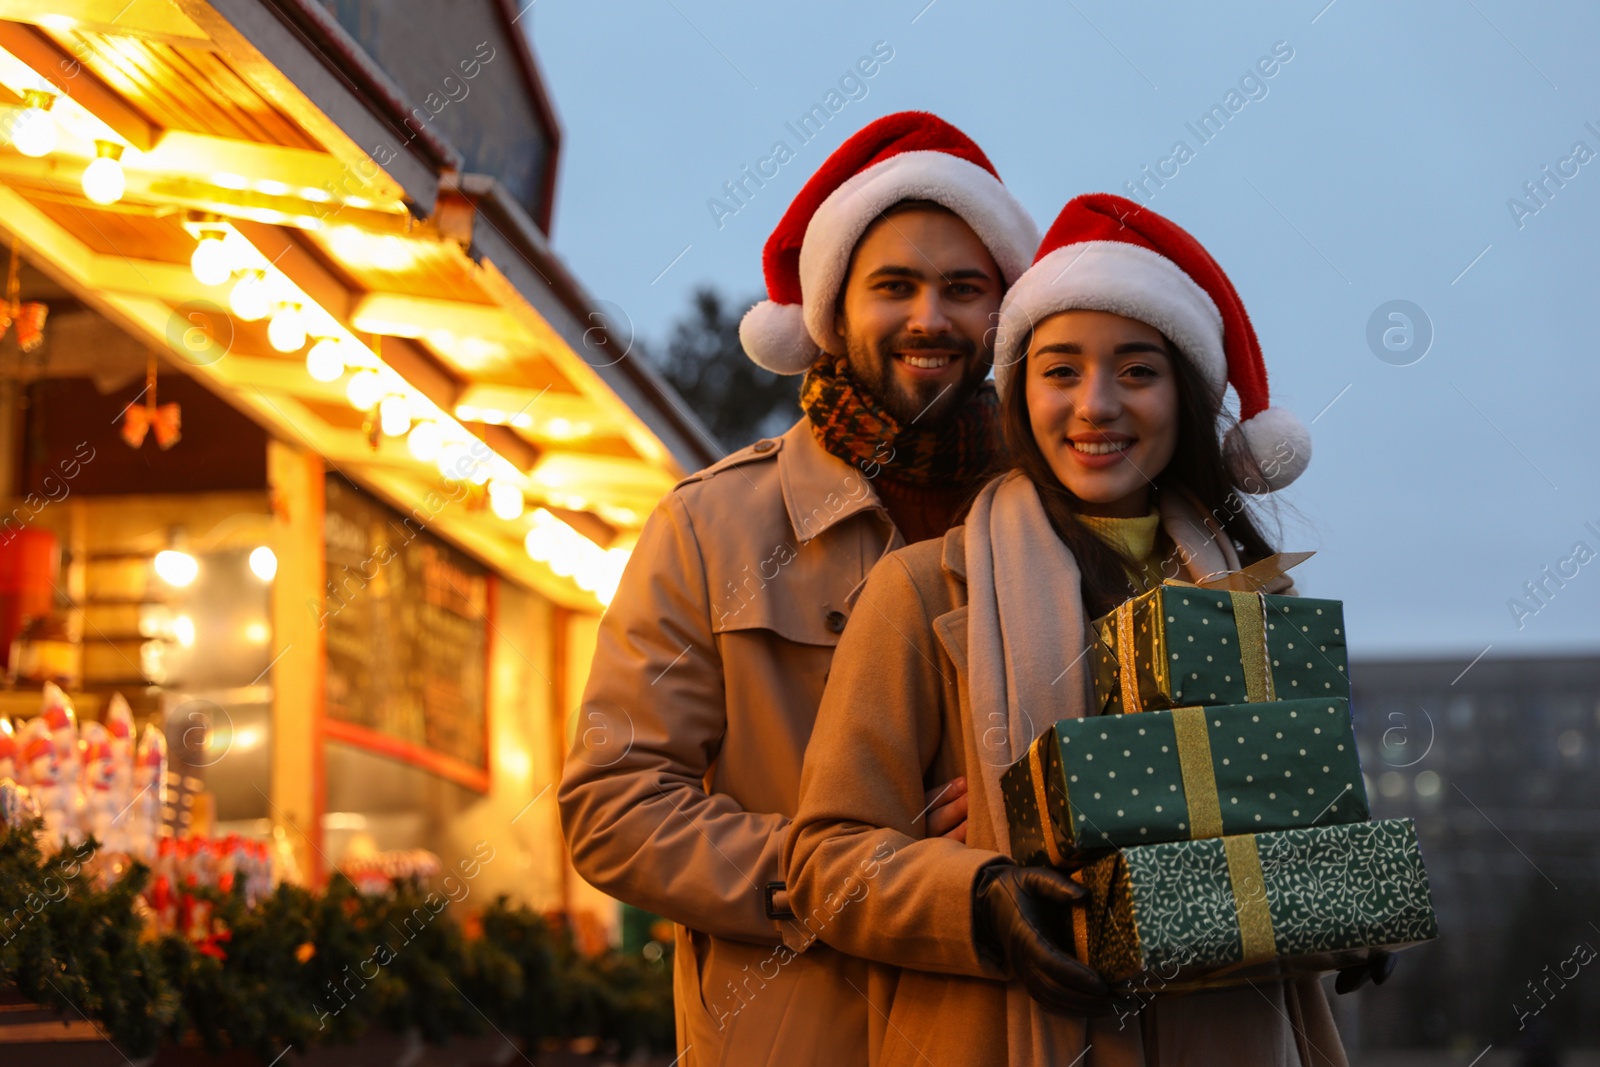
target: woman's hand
<point>1012,910</point>
<point>947,810</point>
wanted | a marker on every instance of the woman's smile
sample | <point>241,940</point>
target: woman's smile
<point>1099,451</point>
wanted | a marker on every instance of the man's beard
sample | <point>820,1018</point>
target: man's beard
<point>925,404</point>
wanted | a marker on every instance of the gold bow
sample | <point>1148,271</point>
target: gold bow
<point>1251,579</point>
<point>1249,616</point>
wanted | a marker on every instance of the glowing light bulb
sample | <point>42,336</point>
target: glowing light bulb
<point>287,330</point>
<point>241,253</point>
<point>33,133</point>
<point>616,561</point>
<point>176,568</point>
<point>394,415</point>
<point>264,563</point>
<point>454,460</point>
<point>424,441</point>
<point>364,389</point>
<point>210,261</point>
<point>103,180</point>
<point>249,299</point>
<point>505,499</point>
<point>325,361</point>
<point>538,545</point>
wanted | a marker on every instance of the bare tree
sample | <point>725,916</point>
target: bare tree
<point>737,400</point>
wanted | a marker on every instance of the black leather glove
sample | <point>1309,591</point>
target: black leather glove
<point>1015,912</point>
<point>1378,967</point>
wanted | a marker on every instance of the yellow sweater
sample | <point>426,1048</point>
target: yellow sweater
<point>1136,540</point>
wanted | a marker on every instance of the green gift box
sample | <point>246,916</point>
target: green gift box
<point>1119,780</point>
<point>1180,645</point>
<point>1190,914</point>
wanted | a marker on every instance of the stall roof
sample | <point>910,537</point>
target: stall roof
<point>263,123</point>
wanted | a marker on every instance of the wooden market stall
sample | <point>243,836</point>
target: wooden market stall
<point>354,460</point>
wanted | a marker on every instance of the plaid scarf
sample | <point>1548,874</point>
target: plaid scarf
<point>852,424</point>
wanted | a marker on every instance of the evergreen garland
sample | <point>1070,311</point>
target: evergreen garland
<point>303,968</point>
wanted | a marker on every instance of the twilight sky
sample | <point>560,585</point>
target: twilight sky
<point>1387,158</point>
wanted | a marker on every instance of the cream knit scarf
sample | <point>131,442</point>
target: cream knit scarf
<point>1028,646</point>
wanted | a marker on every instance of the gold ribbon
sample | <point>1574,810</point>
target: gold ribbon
<point>1250,617</point>
<point>1250,898</point>
<point>1041,796</point>
<point>1199,777</point>
<point>1127,659</point>
<point>1080,920</point>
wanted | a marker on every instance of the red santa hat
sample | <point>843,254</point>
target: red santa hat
<point>911,155</point>
<point>1107,253</point>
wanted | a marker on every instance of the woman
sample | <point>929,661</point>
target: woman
<point>1114,352</point>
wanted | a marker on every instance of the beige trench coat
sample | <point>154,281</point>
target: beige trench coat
<point>685,769</point>
<point>898,696</point>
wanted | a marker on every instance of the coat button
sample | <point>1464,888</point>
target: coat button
<point>836,621</point>
<point>763,446</point>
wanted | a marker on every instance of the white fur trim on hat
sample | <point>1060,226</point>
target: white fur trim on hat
<point>978,197</point>
<point>775,338</point>
<point>1278,442</point>
<point>1121,278</point>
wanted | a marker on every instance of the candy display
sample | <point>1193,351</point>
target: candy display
<point>91,780</point>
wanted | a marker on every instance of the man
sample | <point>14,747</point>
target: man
<point>883,277</point>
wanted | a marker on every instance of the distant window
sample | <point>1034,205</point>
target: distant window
<point>1567,710</point>
<point>1570,745</point>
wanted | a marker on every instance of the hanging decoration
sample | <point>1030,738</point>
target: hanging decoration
<point>27,318</point>
<point>363,392</point>
<point>166,420</point>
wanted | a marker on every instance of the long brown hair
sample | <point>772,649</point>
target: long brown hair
<point>1197,465</point>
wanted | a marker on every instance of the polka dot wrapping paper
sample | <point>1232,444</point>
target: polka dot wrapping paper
<point>1120,780</point>
<point>1193,914</point>
<point>1181,645</point>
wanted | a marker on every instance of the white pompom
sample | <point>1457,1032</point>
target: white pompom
<point>1276,442</point>
<point>776,339</point>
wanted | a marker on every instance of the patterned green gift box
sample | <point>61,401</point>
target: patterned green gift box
<point>1197,913</point>
<point>1180,645</point>
<point>1116,780</point>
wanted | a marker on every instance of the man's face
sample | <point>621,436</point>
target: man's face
<point>916,313</point>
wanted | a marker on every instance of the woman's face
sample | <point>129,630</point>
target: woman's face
<point>1103,404</point>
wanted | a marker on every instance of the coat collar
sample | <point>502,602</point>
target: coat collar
<point>954,556</point>
<point>820,490</point>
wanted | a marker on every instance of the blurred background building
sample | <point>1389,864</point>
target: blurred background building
<point>1499,764</point>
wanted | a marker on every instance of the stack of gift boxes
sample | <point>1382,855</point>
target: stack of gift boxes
<point>1222,831</point>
